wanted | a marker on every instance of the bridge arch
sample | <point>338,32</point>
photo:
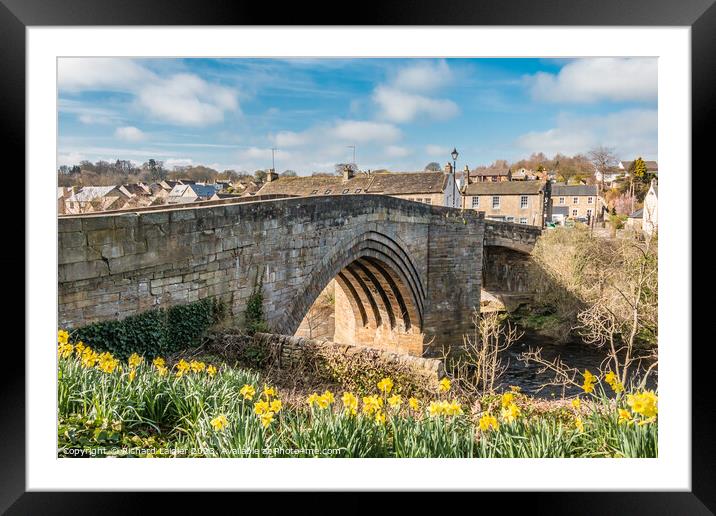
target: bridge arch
<point>381,284</point>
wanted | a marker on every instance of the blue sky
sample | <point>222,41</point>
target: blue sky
<point>399,113</point>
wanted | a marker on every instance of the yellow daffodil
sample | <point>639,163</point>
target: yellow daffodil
<point>444,385</point>
<point>132,374</point>
<point>89,357</point>
<point>197,366</point>
<point>182,368</point>
<point>79,348</point>
<point>576,403</point>
<point>211,371</point>
<point>325,399</point>
<point>385,385</point>
<point>578,424</point>
<point>134,360</point>
<point>269,391</point>
<point>510,413</point>
<point>350,402</point>
<point>380,418</point>
<point>65,350</point>
<point>312,399</point>
<point>488,421</point>
<point>107,363</point>
<point>614,382</point>
<point>395,401</point>
<point>589,380</point>
<point>162,371</point>
<point>159,362</point>
<point>643,403</point>
<point>507,399</point>
<point>413,403</point>
<point>266,418</point>
<point>248,392</point>
<point>276,406</point>
<point>444,408</point>
<point>62,337</point>
<point>372,404</point>
<point>261,407</point>
<point>219,423</point>
<point>624,416</point>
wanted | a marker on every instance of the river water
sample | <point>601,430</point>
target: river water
<point>575,354</point>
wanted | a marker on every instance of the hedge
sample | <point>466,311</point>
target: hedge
<point>154,332</point>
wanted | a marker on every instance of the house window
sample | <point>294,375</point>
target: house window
<point>561,200</point>
<point>346,191</point>
<point>589,213</point>
<point>589,200</point>
<point>574,213</point>
<point>314,192</point>
<point>496,202</point>
<point>358,190</point>
<point>523,202</point>
<point>475,202</point>
<point>327,191</point>
<point>510,219</point>
<point>428,201</point>
<point>575,200</point>
<point>523,220</point>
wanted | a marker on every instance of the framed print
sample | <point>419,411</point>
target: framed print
<point>423,247</point>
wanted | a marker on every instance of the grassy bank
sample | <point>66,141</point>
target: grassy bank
<point>199,409</point>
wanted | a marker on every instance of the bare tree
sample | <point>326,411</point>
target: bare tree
<point>603,159</point>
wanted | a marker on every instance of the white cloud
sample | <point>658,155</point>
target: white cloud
<point>69,158</point>
<point>424,76</point>
<point>396,151</point>
<point>400,106</point>
<point>129,133</point>
<point>186,99</point>
<point>363,131</point>
<point>181,99</point>
<point>595,79</point>
<point>630,132</point>
<point>178,162</point>
<point>99,73</point>
<point>290,139</point>
<point>437,150</point>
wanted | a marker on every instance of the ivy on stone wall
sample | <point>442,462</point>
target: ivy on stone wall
<point>254,314</point>
<point>154,332</point>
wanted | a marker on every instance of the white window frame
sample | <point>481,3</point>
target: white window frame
<point>561,200</point>
<point>524,202</point>
<point>575,200</point>
<point>523,220</point>
<point>590,200</point>
<point>495,197</point>
<point>574,212</point>
<point>475,202</point>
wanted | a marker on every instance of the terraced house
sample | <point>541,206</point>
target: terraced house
<point>521,202</point>
<point>582,201</point>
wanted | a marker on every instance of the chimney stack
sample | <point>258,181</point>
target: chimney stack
<point>271,175</point>
<point>348,173</point>
<point>466,175</point>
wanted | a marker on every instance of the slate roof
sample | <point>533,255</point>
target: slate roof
<point>562,190</point>
<point>401,183</point>
<point>637,214</point>
<point>560,210</point>
<point>88,193</point>
<point>490,172</point>
<point>505,188</point>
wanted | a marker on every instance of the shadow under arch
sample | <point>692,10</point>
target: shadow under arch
<point>380,281</point>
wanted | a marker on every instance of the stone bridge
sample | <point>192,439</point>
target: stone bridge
<point>410,273</point>
<point>506,264</point>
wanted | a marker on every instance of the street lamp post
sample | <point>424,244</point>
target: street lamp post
<point>454,155</point>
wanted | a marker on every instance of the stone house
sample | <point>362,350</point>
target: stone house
<point>437,188</point>
<point>521,202</point>
<point>500,172</point>
<point>182,193</point>
<point>91,199</point>
<point>63,194</point>
<point>650,220</point>
<point>582,201</point>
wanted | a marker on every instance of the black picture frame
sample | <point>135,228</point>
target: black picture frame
<point>17,15</point>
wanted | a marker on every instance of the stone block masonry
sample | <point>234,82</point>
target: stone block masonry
<point>408,268</point>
